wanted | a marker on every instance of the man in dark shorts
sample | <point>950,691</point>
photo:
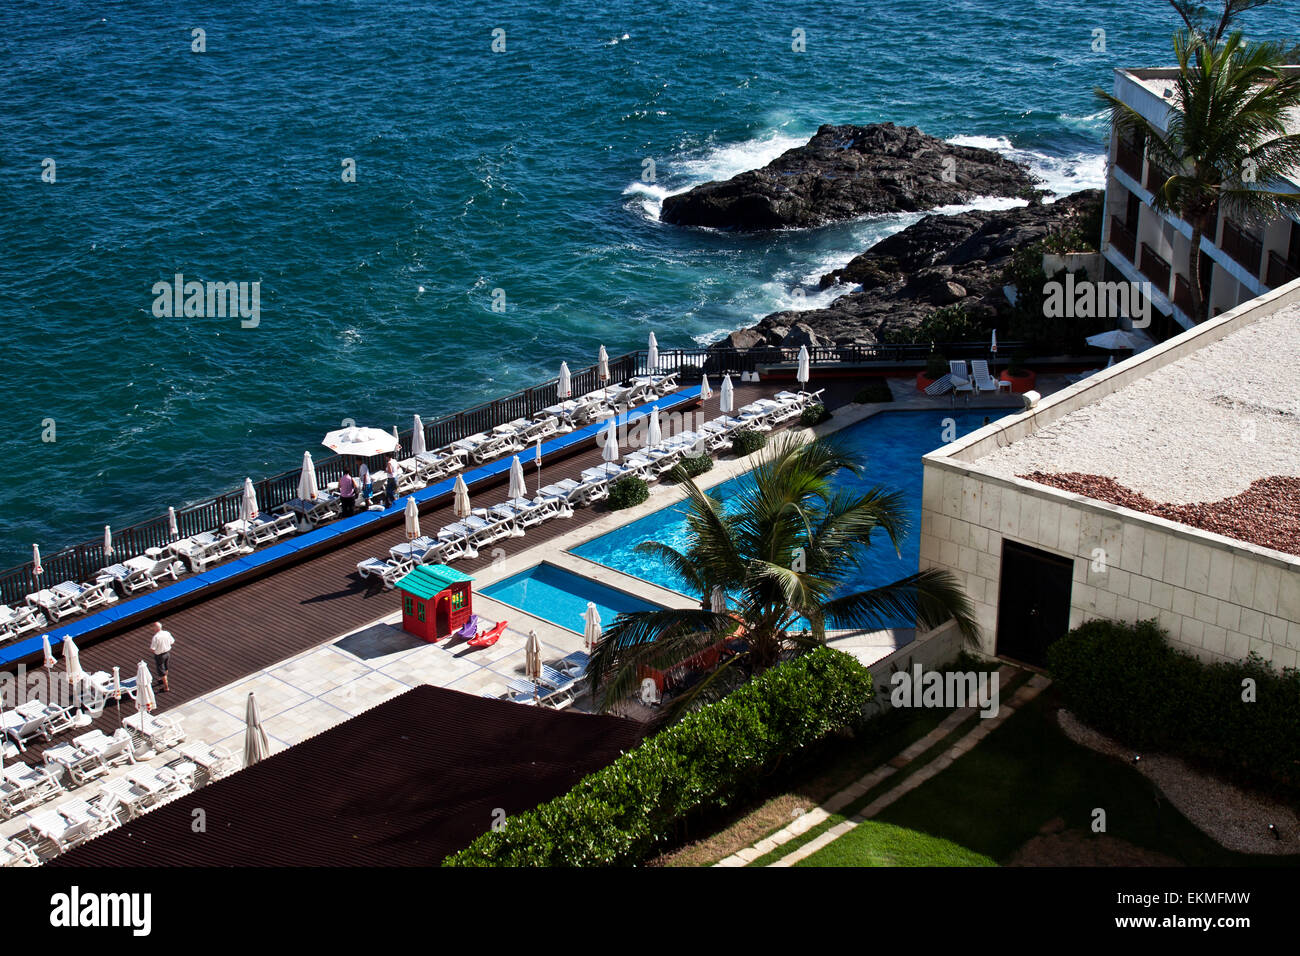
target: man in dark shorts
<point>162,651</point>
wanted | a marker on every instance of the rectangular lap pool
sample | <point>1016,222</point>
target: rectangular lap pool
<point>561,597</point>
<point>890,444</point>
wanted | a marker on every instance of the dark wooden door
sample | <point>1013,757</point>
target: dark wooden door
<point>1033,602</point>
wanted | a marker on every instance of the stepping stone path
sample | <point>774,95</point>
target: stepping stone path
<point>855,791</point>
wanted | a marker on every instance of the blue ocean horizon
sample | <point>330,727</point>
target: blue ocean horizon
<point>482,179</point>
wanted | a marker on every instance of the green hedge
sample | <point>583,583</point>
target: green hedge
<point>712,758</point>
<point>1127,681</point>
<point>745,441</point>
<point>691,466</point>
<point>813,415</point>
<point>876,390</point>
<point>627,491</point>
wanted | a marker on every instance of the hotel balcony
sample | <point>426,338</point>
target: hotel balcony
<point>1123,240</point>
<point>1129,159</point>
<point>1244,248</point>
<point>1155,268</point>
<point>1280,272</point>
<point>1157,176</point>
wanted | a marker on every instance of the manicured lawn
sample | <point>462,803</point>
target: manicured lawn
<point>873,843</point>
<point>1026,773</point>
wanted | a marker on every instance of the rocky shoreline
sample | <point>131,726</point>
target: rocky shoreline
<point>943,260</point>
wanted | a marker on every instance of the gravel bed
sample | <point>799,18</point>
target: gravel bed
<point>1236,820</point>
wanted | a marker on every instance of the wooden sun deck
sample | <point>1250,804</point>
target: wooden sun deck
<point>227,636</point>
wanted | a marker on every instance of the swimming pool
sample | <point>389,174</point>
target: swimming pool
<point>890,443</point>
<point>561,597</point>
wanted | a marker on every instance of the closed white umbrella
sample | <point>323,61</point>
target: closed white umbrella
<point>803,373</point>
<point>654,434</point>
<point>256,745</point>
<point>518,487</point>
<point>993,347</point>
<point>417,438</point>
<point>308,489</point>
<point>705,391</point>
<point>727,403</point>
<point>172,528</point>
<point>533,656</point>
<point>72,661</point>
<point>397,439</point>
<point>537,457</point>
<point>564,389</point>
<point>117,684</point>
<point>460,498</point>
<point>602,365</point>
<point>248,506</point>
<point>412,516</point>
<point>652,355</point>
<point>360,442</point>
<point>144,697</point>
<point>36,561</point>
<point>591,626</point>
<point>718,601</point>
<point>108,541</point>
<point>49,654</point>
<point>609,448</point>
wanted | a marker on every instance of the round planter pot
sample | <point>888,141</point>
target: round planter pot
<point>922,383</point>
<point>1020,383</point>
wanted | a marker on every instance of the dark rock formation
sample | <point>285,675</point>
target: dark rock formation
<point>845,172</point>
<point>936,262</point>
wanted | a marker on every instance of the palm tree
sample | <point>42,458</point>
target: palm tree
<point>782,556</point>
<point>1226,139</point>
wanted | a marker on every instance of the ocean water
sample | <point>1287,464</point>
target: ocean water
<point>520,171</point>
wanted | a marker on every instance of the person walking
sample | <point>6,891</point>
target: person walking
<point>348,492</point>
<point>390,487</point>
<point>364,477</point>
<point>162,651</point>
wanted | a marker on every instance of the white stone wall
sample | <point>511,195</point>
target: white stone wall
<point>1217,599</point>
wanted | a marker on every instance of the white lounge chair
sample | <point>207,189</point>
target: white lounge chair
<point>961,382</point>
<point>160,783</point>
<point>91,755</point>
<point>68,597</point>
<point>156,730</point>
<point>524,513</point>
<point>389,572</point>
<point>15,852</point>
<point>980,374</point>
<point>17,621</point>
<point>205,549</point>
<point>264,529</point>
<point>215,762</point>
<point>56,834</point>
<point>23,786</point>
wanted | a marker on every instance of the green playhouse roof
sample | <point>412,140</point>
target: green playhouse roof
<point>426,580</point>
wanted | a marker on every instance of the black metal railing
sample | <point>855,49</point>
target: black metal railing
<point>81,562</point>
<point>1155,267</point>
<point>1157,176</point>
<point>1280,272</point>
<point>1129,159</point>
<point>1183,294</point>
<point>1122,239</point>
<point>1242,246</point>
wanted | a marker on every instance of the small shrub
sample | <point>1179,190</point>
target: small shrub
<point>1017,364</point>
<point>691,466</point>
<point>745,441</point>
<point>714,757</point>
<point>627,491</point>
<point>876,390</point>
<point>936,366</point>
<point>813,415</point>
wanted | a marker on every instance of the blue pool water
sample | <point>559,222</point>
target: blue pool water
<point>561,597</point>
<point>891,445</point>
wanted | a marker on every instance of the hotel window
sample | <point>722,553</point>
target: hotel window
<point>407,605</point>
<point>458,600</point>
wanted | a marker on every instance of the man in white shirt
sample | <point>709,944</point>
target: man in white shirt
<point>162,650</point>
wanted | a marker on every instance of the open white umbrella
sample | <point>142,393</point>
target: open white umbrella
<point>518,487</point>
<point>360,442</point>
<point>652,355</point>
<point>49,654</point>
<point>803,373</point>
<point>108,541</point>
<point>609,446</point>
<point>460,498</point>
<point>654,434</point>
<point>564,389</point>
<point>705,391</point>
<point>718,601</point>
<point>172,528</point>
<point>1118,339</point>
<point>144,697</point>
<point>727,403</point>
<point>308,489</point>
<point>533,656</point>
<point>412,516</point>
<point>248,506</point>
<point>256,746</point>
<point>418,446</point>
<point>36,561</point>
<point>591,626</point>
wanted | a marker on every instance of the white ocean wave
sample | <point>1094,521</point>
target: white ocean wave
<point>1061,175</point>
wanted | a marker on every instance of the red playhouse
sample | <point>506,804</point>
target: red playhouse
<point>436,601</point>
